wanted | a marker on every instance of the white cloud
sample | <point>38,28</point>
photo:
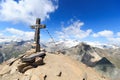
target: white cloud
<point>1,34</point>
<point>15,31</point>
<point>5,40</point>
<point>110,36</point>
<point>104,33</point>
<point>118,34</point>
<point>19,34</point>
<point>26,10</point>
<point>15,35</point>
<point>115,40</point>
<point>73,31</point>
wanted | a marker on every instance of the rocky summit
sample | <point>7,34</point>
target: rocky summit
<point>53,67</point>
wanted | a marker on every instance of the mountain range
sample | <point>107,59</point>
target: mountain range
<point>102,57</point>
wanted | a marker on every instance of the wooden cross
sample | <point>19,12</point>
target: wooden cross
<point>37,28</point>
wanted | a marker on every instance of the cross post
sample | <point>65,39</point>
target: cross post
<point>37,28</point>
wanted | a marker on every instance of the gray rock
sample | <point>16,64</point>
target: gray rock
<point>1,58</point>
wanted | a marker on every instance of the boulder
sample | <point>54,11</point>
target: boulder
<point>38,61</point>
<point>32,57</point>
<point>22,66</point>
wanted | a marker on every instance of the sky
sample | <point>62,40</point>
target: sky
<point>82,20</point>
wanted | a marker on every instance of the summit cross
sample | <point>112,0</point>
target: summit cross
<point>37,28</point>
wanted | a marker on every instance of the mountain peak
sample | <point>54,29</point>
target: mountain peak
<point>56,67</point>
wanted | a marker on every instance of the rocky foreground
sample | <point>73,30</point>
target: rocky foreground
<point>55,67</point>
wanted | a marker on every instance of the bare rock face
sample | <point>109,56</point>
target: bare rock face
<point>13,69</point>
<point>84,53</point>
<point>6,69</point>
<point>35,77</point>
<point>1,58</point>
<point>24,67</point>
<point>25,77</point>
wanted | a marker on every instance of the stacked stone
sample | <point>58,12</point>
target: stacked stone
<point>31,61</point>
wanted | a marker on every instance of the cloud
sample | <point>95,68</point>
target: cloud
<point>1,34</point>
<point>26,10</point>
<point>19,34</point>
<point>115,40</point>
<point>15,35</point>
<point>109,36</point>
<point>5,40</point>
<point>73,31</point>
<point>118,34</point>
<point>104,33</point>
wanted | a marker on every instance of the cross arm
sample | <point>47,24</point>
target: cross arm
<point>33,26</point>
<point>42,26</point>
<point>39,26</point>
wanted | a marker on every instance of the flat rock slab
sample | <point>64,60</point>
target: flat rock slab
<point>31,58</point>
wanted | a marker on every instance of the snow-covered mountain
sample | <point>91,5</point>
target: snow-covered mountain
<point>102,45</point>
<point>63,43</point>
<point>66,44</point>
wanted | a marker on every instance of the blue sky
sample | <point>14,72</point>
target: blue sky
<point>83,20</point>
